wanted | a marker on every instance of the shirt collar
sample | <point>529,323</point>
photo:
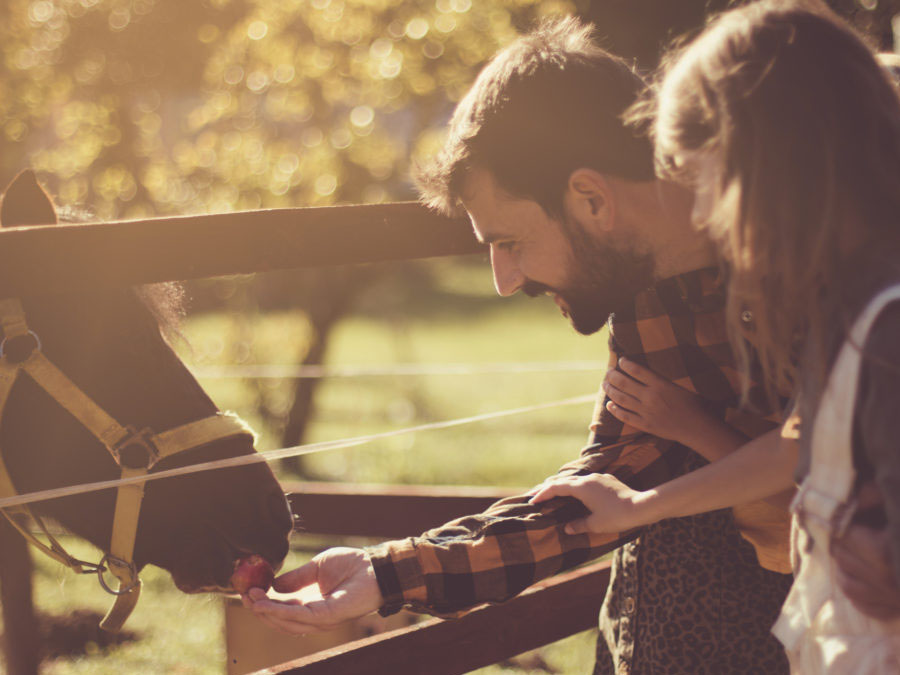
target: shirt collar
<point>701,290</point>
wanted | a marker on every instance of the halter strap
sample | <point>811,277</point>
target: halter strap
<point>136,452</point>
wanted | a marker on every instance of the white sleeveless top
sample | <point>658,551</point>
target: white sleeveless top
<point>819,627</point>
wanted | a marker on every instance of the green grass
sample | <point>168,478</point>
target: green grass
<point>461,322</point>
<point>179,633</point>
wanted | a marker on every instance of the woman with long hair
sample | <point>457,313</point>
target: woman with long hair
<point>788,129</point>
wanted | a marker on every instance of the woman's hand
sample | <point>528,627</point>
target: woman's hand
<point>641,398</point>
<point>614,506</point>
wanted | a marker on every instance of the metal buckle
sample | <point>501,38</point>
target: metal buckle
<point>19,354</point>
<point>136,450</point>
<point>106,562</point>
<point>85,567</point>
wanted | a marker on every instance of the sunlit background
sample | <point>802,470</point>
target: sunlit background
<point>133,108</point>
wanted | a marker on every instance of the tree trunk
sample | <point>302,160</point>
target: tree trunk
<point>332,300</point>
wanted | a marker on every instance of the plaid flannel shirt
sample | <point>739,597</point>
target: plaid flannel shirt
<point>677,329</point>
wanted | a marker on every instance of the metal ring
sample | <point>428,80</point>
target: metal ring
<point>37,342</point>
<point>101,568</point>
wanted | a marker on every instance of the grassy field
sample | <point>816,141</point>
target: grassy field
<point>458,321</point>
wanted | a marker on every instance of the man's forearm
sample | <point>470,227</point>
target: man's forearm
<point>488,557</point>
<point>762,468</point>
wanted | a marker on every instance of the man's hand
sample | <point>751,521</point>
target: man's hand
<point>864,572</point>
<point>346,581</point>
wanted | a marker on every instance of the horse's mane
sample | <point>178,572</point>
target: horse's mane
<point>166,301</point>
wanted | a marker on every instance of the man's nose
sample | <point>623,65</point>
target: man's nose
<point>507,277</point>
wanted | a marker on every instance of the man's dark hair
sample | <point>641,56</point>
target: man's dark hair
<point>546,105</point>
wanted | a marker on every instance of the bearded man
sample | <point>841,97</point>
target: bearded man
<point>565,195</point>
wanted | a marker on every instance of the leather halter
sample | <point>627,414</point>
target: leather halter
<point>136,452</point>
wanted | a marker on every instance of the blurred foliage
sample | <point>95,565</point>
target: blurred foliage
<point>640,30</point>
<point>144,107</point>
<point>151,107</point>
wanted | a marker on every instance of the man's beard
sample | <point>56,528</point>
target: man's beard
<point>602,280</point>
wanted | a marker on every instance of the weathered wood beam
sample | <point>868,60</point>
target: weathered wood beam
<point>549,611</point>
<point>388,511</point>
<point>86,255</point>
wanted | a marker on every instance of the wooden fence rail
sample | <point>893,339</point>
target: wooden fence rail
<point>549,611</point>
<point>86,255</point>
<point>385,511</point>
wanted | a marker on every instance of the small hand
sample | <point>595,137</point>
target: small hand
<point>346,580</point>
<point>614,506</point>
<point>863,564</point>
<point>641,398</point>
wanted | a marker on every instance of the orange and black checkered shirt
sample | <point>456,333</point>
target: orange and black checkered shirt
<point>677,329</point>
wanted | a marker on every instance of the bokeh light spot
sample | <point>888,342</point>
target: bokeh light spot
<point>40,11</point>
<point>325,185</point>
<point>284,73</point>
<point>445,23</point>
<point>233,74</point>
<point>312,137</point>
<point>432,49</point>
<point>341,138</point>
<point>417,28</point>
<point>391,66</point>
<point>257,30</point>
<point>207,33</point>
<point>257,81</point>
<point>119,18</point>
<point>381,48</point>
<point>362,116</point>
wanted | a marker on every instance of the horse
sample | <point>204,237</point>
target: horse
<point>114,346</point>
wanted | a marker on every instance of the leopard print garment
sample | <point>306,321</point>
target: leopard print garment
<point>689,598</point>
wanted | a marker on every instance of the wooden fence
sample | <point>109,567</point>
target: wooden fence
<point>83,255</point>
<point>76,257</point>
<point>551,610</point>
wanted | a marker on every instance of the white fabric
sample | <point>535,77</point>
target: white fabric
<point>821,630</point>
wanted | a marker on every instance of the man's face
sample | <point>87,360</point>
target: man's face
<point>536,254</point>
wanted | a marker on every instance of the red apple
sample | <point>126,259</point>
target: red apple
<point>254,571</point>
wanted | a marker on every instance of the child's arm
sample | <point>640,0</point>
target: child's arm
<point>648,402</point>
<point>761,468</point>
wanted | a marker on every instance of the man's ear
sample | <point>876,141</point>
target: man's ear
<point>589,200</point>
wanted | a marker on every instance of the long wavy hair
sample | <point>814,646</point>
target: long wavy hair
<point>781,118</point>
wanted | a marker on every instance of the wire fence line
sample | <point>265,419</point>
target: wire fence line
<point>282,453</point>
<point>285,372</point>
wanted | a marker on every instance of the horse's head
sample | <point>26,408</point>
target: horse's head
<point>110,344</point>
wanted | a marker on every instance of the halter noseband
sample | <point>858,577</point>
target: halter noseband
<point>135,451</point>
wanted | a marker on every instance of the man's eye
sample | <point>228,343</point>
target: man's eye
<point>506,245</point>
